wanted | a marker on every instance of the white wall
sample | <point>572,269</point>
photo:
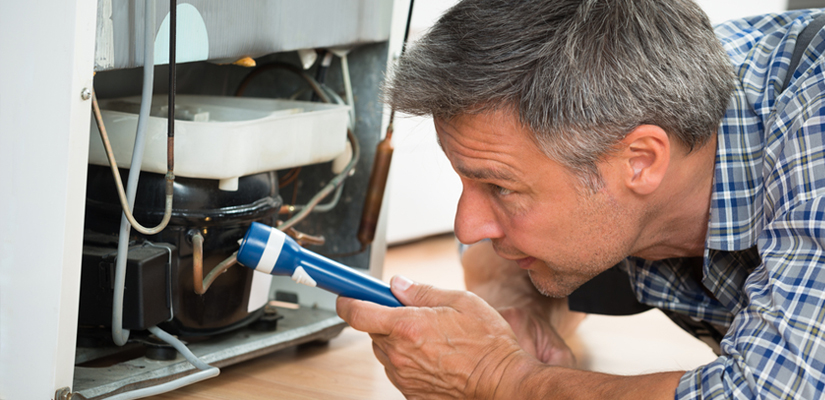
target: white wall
<point>720,11</point>
<point>423,188</point>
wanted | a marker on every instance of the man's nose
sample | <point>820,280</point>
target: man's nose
<point>474,218</point>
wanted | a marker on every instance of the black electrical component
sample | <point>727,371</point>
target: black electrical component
<point>147,295</point>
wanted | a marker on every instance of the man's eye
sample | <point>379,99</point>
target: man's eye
<point>500,190</point>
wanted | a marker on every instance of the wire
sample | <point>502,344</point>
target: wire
<point>289,177</point>
<point>127,197</point>
<point>206,371</point>
<point>348,89</point>
<point>322,208</point>
<point>119,335</point>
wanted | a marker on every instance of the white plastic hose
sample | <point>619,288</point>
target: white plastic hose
<point>120,335</point>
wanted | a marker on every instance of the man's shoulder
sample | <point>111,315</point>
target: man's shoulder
<point>768,31</point>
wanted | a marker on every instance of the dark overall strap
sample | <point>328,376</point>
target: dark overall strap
<point>802,41</point>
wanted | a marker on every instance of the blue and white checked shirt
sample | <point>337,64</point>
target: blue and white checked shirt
<point>765,252</point>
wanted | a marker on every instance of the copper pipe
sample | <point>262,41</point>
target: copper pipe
<point>197,262</point>
<point>375,189</point>
<point>200,283</point>
<point>219,269</point>
<point>303,238</point>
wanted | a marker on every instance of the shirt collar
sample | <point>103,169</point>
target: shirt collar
<point>735,214</point>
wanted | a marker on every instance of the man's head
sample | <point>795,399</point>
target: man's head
<point>577,127</point>
<point>579,74</point>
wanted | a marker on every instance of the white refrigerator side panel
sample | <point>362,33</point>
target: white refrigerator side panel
<point>48,54</point>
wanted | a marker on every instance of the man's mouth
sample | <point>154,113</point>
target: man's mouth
<point>523,262</point>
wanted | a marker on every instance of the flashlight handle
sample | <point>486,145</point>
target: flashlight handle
<point>269,250</point>
<point>345,281</point>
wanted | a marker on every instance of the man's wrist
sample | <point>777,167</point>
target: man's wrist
<point>520,378</point>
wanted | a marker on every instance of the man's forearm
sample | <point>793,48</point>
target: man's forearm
<point>533,380</point>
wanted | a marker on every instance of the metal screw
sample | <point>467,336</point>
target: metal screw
<point>85,94</point>
<point>63,394</point>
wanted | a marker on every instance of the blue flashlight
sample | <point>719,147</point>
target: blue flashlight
<point>269,250</point>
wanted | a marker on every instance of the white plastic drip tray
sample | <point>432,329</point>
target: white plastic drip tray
<point>224,137</point>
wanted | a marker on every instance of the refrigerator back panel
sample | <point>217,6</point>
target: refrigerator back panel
<point>223,31</point>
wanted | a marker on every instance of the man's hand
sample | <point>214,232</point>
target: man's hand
<point>445,344</point>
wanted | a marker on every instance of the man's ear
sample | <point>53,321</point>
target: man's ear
<point>644,157</point>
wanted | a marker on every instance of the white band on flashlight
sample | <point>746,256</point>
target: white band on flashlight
<point>272,251</point>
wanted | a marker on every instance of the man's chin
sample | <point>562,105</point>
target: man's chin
<point>557,288</point>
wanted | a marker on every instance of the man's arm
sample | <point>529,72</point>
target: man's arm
<point>549,382</point>
<point>452,344</point>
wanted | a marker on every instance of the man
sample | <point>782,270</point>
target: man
<point>593,133</point>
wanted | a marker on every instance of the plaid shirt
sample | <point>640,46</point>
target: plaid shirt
<point>764,263</point>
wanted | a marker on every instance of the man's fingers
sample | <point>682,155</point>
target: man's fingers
<point>365,316</point>
<point>420,295</point>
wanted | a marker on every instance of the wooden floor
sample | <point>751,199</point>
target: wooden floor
<point>345,368</point>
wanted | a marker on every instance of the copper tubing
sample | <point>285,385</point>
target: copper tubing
<point>197,263</point>
<point>375,190</point>
<point>170,179</point>
<point>303,238</point>
<point>200,283</point>
<point>219,269</point>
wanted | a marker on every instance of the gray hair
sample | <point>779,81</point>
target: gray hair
<point>580,74</point>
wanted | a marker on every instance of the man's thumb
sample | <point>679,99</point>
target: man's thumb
<point>418,294</point>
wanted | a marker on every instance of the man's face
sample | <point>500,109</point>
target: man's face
<point>532,208</point>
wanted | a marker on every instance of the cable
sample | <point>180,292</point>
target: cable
<point>119,335</point>
<point>127,199</point>
<point>322,208</point>
<point>323,67</point>
<point>331,93</point>
<point>206,371</point>
<point>348,89</point>
<point>289,177</point>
